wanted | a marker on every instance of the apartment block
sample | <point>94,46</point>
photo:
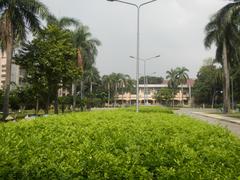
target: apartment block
<point>17,74</point>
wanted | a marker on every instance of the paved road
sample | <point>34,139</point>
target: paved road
<point>235,128</point>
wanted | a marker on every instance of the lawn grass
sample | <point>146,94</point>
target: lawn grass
<point>118,144</point>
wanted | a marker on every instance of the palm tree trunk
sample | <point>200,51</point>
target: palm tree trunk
<point>173,98</point>
<point>182,102</point>
<point>226,68</point>
<point>74,95</point>
<point>108,95</point>
<point>115,99</point>
<point>9,51</point>
<point>91,87</point>
<point>122,96</point>
<point>82,84</point>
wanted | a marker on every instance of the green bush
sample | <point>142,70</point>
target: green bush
<point>117,144</point>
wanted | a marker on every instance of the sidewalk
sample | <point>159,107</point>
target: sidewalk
<point>219,117</point>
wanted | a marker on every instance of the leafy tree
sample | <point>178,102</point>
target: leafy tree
<point>164,95</point>
<point>223,31</point>
<point>16,20</point>
<point>49,62</point>
<point>208,85</point>
<point>151,80</point>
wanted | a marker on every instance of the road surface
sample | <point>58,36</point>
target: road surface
<point>196,113</point>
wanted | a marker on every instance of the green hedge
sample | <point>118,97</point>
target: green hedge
<point>118,144</point>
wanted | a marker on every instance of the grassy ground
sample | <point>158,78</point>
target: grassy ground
<point>118,144</point>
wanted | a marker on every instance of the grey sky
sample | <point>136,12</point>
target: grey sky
<point>172,28</point>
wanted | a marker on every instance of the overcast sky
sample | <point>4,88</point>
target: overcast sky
<point>172,28</point>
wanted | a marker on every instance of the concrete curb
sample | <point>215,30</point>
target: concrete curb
<point>219,117</point>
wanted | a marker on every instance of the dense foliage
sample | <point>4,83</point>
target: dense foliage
<point>164,96</point>
<point>118,144</point>
<point>151,80</point>
<point>49,61</point>
<point>208,86</point>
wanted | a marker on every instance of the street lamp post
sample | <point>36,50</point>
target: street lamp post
<point>138,41</point>
<point>145,76</point>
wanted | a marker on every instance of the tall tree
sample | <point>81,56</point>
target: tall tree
<point>208,86</point>
<point>49,61</point>
<point>87,51</point>
<point>172,82</point>
<point>16,20</point>
<point>107,83</point>
<point>91,77</point>
<point>223,31</point>
<point>182,77</point>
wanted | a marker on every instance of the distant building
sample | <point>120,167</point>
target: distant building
<point>185,96</point>
<point>17,74</point>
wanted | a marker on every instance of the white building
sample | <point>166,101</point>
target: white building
<point>185,96</point>
<point>17,74</point>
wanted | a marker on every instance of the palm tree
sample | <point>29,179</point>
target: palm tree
<point>107,83</point>
<point>182,77</point>
<point>83,41</point>
<point>86,49</point>
<point>16,20</point>
<point>63,22</point>
<point>172,81</point>
<point>91,77</point>
<point>223,31</point>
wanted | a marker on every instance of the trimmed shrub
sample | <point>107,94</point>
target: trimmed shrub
<point>118,144</point>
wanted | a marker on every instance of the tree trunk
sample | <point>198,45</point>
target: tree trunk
<point>91,87</point>
<point>9,54</point>
<point>182,102</point>
<point>173,96</point>
<point>115,100</point>
<point>122,96</point>
<point>47,104</point>
<point>82,89</point>
<point>226,68</point>
<point>37,106</point>
<point>108,95</point>
<point>74,95</point>
<point>213,99</point>
<point>56,102</point>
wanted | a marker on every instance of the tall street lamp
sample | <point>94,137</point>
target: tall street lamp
<point>145,76</point>
<point>138,41</point>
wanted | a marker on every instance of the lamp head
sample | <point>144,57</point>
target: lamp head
<point>111,0</point>
<point>157,56</point>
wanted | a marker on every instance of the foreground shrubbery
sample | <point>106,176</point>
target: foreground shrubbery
<point>117,145</point>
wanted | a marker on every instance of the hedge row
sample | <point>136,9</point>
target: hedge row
<point>119,144</point>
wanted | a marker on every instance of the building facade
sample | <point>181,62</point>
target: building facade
<point>184,96</point>
<point>17,74</point>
